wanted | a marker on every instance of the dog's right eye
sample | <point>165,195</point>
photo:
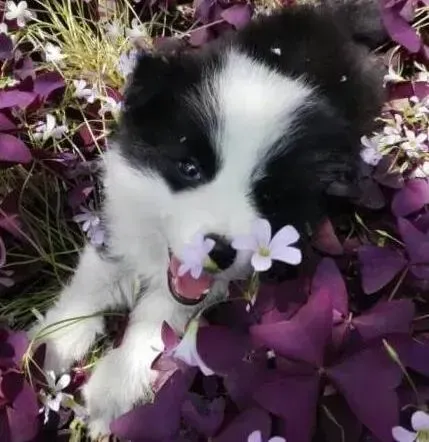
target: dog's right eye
<point>190,170</point>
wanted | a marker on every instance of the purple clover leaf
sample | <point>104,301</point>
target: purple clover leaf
<point>379,265</point>
<point>266,249</point>
<point>411,198</point>
<point>203,415</point>
<point>13,345</point>
<point>13,150</point>
<point>398,27</point>
<point>417,246</point>
<point>145,419</point>
<point>250,420</point>
<point>195,255</point>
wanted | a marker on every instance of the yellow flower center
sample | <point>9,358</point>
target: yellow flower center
<point>423,436</point>
<point>264,251</point>
<point>210,266</point>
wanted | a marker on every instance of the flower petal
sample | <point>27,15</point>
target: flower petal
<point>256,436</point>
<point>54,403</point>
<point>402,435</point>
<point>261,229</point>
<point>261,263</point>
<point>63,382</point>
<point>420,421</point>
<point>289,255</point>
<point>244,242</point>
<point>286,236</point>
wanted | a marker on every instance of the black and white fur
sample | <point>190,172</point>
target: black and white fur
<point>257,124</point>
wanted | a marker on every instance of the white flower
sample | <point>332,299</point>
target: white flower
<point>420,425</point>
<point>137,30</point>
<point>420,108</point>
<point>110,105</point>
<point>392,76</point>
<point>55,396</point>
<point>3,28</point>
<point>81,91</point>
<point>371,153</point>
<point>186,350</point>
<point>19,12</point>
<point>53,53</point>
<point>195,255</point>
<point>414,144</point>
<point>266,249</point>
<point>114,30</point>
<point>49,129</point>
<point>91,225</point>
<point>127,62</point>
<point>421,171</point>
<point>256,436</point>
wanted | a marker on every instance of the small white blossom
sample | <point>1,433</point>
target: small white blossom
<point>421,171</point>
<point>49,129</point>
<point>420,425</point>
<point>55,396</point>
<point>114,30</point>
<point>137,30</point>
<point>3,28</point>
<point>371,153</point>
<point>127,62</point>
<point>84,92</point>
<point>415,144</point>
<point>109,104</point>
<point>420,108</point>
<point>18,12</point>
<point>53,53</point>
<point>91,225</point>
<point>392,76</point>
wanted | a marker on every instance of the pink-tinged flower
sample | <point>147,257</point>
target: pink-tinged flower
<point>55,396</point>
<point>18,12</point>
<point>415,144</point>
<point>371,153</point>
<point>266,249</point>
<point>256,436</point>
<point>82,91</point>
<point>195,256</point>
<point>186,350</point>
<point>420,425</point>
<point>91,225</point>
<point>421,171</point>
<point>49,129</point>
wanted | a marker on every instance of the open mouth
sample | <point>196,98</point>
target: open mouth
<point>186,289</point>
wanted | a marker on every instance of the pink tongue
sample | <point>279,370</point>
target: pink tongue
<point>186,285</point>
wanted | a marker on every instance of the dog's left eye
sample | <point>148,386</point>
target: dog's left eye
<point>189,170</point>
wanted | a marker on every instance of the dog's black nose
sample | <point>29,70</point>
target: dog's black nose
<point>222,253</point>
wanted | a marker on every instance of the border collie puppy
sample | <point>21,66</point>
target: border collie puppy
<point>255,125</point>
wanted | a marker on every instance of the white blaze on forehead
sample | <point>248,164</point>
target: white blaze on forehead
<point>255,108</point>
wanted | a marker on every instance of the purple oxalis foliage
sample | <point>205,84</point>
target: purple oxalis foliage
<point>349,324</point>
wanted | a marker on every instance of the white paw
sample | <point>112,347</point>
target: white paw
<point>66,341</point>
<point>112,390</point>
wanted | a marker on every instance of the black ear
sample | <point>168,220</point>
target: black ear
<point>361,18</point>
<point>149,78</point>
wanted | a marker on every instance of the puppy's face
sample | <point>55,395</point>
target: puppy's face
<point>223,139</point>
